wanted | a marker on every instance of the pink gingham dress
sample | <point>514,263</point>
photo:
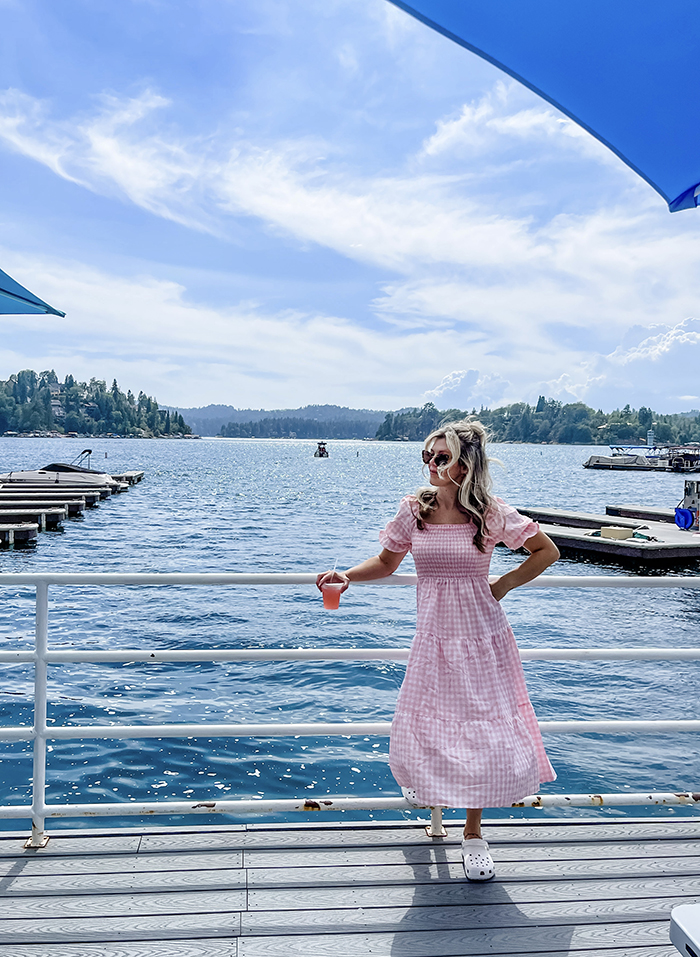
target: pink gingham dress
<point>464,733</point>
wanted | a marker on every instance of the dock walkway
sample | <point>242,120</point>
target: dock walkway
<point>576,887</point>
<point>656,542</point>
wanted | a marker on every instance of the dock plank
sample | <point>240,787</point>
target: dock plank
<point>154,948</point>
<point>65,930</point>
<point>136,905</point>
<point>463,943</point>
<point>94,864</point>
<point>453,892</point>
<point>378,875</point>
<point>329,837</point>
<point>438,918</point>
<point>148,882</point>
<point>82,846</point>
<point>427,853</point>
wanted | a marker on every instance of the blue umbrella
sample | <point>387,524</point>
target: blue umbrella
<point>16,300</point>
<point>628,71</point>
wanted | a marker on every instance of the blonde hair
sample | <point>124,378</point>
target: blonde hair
<point>466,440</point>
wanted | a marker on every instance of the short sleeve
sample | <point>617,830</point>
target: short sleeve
<point>398,534</point>
<point>507,525</point>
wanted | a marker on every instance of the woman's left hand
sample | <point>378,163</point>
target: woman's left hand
<point>498,590</point>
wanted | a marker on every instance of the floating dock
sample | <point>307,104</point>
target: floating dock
<point>73,507</point>
<point>45,518</point>
<point>42,488</point>
<point>643,513</point>
<point>651,542</point>
<point>29,507</point>
<point>593,888</point>
<point>129,478</point>
<point>90,498</point>
<point>19,532</point>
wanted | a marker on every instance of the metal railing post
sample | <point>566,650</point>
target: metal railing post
<point>436,828</point>
<point>39,838</point>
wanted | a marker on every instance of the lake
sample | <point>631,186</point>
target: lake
<point>268,506</point>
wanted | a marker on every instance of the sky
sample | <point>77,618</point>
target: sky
<point>274,203</point>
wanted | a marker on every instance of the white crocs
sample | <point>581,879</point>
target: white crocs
<point>410,796</point>
<point>477,861</point>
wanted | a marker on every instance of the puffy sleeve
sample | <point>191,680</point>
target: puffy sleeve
<point>507,525</point>
<point>398,534</point>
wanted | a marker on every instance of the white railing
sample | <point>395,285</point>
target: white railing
<point>41,732</point>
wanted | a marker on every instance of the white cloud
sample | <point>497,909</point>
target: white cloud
<point>108,153</point>
<point>404,221</point>
<point>530,301</point>
<point>660,370</point>
<point>465,389</point>
<point>147,334</point>
<point>506,114</point>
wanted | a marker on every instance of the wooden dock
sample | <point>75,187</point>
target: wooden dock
<point>44,517</point>
<point>29,507</point>
<point>643,512</point>
<point>577,887</point>
<point>654,542</point>
<point>104,491</point>
<point>13,533</point>
<point>91,499</point>
<point>73,507</point>
<point>132,477</point>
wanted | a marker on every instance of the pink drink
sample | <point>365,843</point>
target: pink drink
<point>331,595</point>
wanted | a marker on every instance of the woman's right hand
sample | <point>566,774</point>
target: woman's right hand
<point>330,577</point>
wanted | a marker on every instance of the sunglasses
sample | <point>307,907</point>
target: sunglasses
<point>441,459</point>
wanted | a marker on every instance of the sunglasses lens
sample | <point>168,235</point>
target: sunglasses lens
<point>441,459</point>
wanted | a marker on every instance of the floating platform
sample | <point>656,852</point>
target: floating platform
<point>104,491</point>
<point>593,888</point>
<point>130,478</point>
<point>74,507</point>
<point>12,534</point>
<point>29,507</point>
<point>44,517</point>
<point>652,542</point>
<point>90,499</point>
<point>643,513</point>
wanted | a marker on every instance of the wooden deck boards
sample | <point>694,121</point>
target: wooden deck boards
<point>562,888</point>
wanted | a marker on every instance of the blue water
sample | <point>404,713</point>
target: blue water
<point>269,506</point>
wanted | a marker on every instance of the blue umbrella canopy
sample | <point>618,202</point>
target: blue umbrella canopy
<point>628,71</point>
<point>16,300</point>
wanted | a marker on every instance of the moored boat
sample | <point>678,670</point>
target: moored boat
<point>59,473</point>
<point>71,475</point>
<point>642,458</point>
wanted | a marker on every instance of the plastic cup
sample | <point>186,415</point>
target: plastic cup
<point>331,595</point>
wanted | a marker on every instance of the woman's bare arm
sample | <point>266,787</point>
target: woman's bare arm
<point>543,552</point>
<point>380,566</point>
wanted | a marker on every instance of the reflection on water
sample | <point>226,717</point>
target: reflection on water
<point>237,505</point>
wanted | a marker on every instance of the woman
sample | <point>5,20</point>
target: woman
<point>464,733</point>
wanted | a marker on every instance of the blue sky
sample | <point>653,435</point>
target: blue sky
<point>269,204</point>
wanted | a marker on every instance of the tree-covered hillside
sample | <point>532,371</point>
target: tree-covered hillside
<point>301,428</point>
<point>551,421</point>
<point>40,403</point>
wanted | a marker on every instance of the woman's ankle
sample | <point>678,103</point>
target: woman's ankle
<point>470,834</point>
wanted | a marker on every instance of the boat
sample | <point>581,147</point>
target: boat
<point>643,458</point>
<point>321,452</point>
<point>62,473</point>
